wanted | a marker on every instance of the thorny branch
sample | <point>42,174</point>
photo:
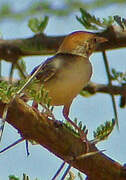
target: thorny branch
<point>41,44</point>
<point>110,84</point>
<point>34,126</point>
<point>93,88</point>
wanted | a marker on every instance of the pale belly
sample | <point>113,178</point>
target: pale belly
<point>68,83</point>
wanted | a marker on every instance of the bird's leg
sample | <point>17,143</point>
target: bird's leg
<point>83,135</point>
<point>66,109</point>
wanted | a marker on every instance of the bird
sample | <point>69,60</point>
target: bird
<point>66,73</point>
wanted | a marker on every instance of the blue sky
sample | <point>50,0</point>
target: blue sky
<point>91,111</point>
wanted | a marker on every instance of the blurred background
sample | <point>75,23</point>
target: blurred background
<point>92,111</point>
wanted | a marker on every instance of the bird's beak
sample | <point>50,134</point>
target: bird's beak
<point>101,39</point>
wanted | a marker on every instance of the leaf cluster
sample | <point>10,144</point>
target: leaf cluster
<point>38,95</point>
<point>103,131</point>
<point>79,124</point>
<point>85,93</point>
<point>13,177</point>
<point>7,91</point>
<point>120,77</point>
<point>120,21</point>
<point>25,177</point>
<point>65,8</point>
<point>38,25</point>
<point>71,176</point>
<point>91,22</point>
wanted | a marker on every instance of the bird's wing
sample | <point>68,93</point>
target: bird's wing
<point>48,70</point>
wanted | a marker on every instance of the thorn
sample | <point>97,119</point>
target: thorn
<point>10,146</point>
<point>58,172</point>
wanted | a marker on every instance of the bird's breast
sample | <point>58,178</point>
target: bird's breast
<point>68,81</point>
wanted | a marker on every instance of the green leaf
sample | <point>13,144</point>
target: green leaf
<point>120,77</point>
<point>43,24</point>
<point>13,177</point>
<point>91,22</point>
<point>120,21</point>
<point>104,130</point>
<point>38,25</point>
<point>33,24</point>
<point>86,93</point>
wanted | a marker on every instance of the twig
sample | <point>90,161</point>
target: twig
<point>29,80</point>
<point>0,69</point>
<point>27,149</point>
<point>110,84</point>
<point>10,146</point>
<point>66,172</point>
<point>20,70</point>
<point>59,170</point>
<point>17,94</point>
<point>11,72</point>
<point>3,120</point>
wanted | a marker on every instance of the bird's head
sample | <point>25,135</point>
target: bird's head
<point>80,43</point>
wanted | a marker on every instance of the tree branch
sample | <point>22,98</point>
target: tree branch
<point>41,44</point>
<point>93,88</point>
<point>35,126</point>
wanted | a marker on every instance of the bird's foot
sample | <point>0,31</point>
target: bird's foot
<point>82,133</point>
